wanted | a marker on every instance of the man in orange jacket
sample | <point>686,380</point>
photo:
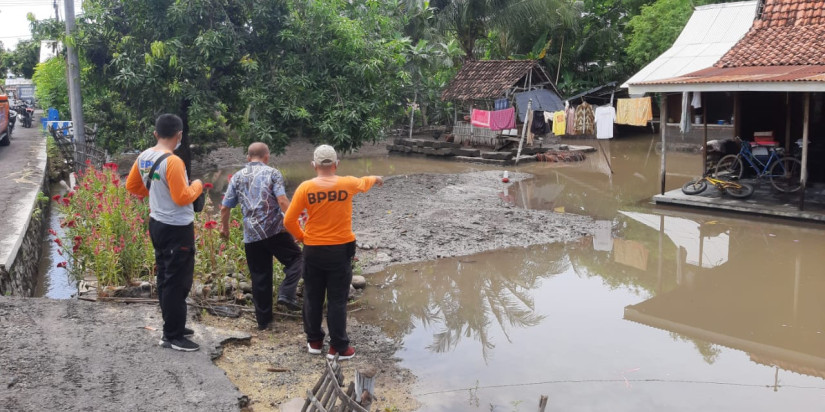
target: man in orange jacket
<point>329,246</point>
<point>170,225</point>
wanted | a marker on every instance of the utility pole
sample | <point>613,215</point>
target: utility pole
<point>56,12</point>
<point>75,101</point>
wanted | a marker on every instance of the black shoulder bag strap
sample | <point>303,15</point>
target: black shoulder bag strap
<point>155,167</point>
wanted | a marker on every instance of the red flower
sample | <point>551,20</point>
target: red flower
<point>60,252</point>
<point>115,181</point>
<point>77,240</point>
<point>117,249</point>
<point>71,223</point>
<point>88,161</point>
<point>62,264</point>
<point>52,232</point>
<point>66,201</point>
<point>56,198</point>
<point>57,240</point>
<point>210,224</point>
<point>110,165</point>
<point>75,247</point>
<point>208,186</point>
<point>70,194</point>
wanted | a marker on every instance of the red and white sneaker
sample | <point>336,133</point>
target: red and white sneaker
<point>314,348</point>
<point>347,354</point>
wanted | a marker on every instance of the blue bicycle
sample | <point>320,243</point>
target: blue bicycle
<point>784,171</point>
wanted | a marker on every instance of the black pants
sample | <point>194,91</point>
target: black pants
<point>175,260</point>
<point>259,259</point>
<point>327,273</point>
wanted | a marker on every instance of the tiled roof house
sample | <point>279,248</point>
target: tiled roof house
<point>786,44</point>
<point>490,79</point>
<point>785,33</point>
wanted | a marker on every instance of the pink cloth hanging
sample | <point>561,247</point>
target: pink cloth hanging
<point>503,119</point>
<point>481,118</point>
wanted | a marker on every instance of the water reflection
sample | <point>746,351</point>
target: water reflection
<point>465,297</point>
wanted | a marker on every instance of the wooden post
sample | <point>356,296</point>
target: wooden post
<point>663,125</point>
<point>806,124</point>
<point>524,129</point>
<point>471,124</point>
<point>542,403</point>
<point>788,122</point>
<point>705,133</point>
<point>412,113</point>
<point>737,122</point>
<point>365,385</point>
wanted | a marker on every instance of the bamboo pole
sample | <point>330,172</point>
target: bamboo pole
<point>524,129</point>
<point>806,125</point>
<point>542,403</point>
<point>788,122</point>
<point>705,135</point>
<point>663,123</point>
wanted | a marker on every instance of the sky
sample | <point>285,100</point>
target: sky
<point>13,24</point>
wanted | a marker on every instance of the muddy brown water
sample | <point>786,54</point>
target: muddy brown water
<point>662,309</point>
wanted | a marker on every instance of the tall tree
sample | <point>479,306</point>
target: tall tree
<point>472,20</point>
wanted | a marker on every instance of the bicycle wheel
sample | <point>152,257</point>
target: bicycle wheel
<point>695,186</point>
<point>739,190</point>
<point>728,167</point>
<point>785,175</point>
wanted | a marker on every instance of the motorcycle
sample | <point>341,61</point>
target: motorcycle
<point>12,120</point>
<point>26,113</point>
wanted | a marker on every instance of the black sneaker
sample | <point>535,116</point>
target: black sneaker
<point>188,332</point>
<point>290,304</point>
<point>181,344</point>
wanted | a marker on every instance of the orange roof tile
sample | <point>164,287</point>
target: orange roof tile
<point>788,32</point>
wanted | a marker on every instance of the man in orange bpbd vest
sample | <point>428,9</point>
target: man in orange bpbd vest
<point>329,246</point>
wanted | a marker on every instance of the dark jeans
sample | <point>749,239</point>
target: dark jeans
<point>259,258</point>
<point>175,260</point>
<point>327,272</point>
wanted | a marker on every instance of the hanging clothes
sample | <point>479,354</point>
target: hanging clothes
<point>684,122</point>
<point>539,126</point>
<point>696,103</point>
<point>548,117</point>
<point>585,119</point>
<point>481,118</point>
<point>503,119</point>
<point>570,114</point>
<point>605,116</point>
<point>501,104</point>
<point>635,112</point>
<point>559,123</point>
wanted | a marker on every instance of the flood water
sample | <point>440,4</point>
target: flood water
<point>661,310</point>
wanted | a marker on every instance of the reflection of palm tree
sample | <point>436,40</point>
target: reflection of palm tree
<point>462,293</point>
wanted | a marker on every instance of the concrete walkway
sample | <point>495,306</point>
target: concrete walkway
<point>765,201</point>
<point>69,355</point>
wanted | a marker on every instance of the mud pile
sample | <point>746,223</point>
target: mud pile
<point>429,216</point>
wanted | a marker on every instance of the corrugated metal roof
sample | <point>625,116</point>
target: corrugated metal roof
<point>710,33</point>
<point>748,74</point>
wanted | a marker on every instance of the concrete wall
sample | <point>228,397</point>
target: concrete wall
<point>21,246</point>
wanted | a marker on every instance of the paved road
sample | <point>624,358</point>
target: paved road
<point>69,355</point>
<point>18,162</point>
